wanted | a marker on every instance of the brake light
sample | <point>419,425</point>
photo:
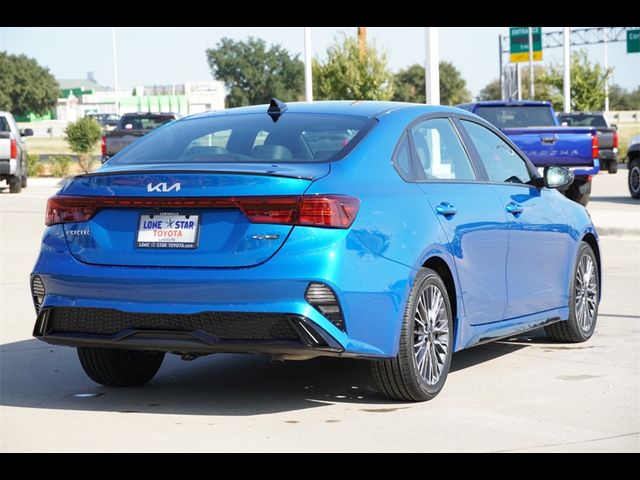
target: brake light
<point>103,145</point>
<point>332,211</point>
<point>594,145</point>
<point>615,139</point>
<point>14,149</point>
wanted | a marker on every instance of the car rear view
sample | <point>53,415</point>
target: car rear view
<point>185,243</point>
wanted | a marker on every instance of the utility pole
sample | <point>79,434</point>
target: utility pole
<point>432,67</point>
<point>606,67</point>
<point>115,68</point>
<point>362,40</point>
<point>531,91</point>
<point>566,84</point>
<point>308,82</point>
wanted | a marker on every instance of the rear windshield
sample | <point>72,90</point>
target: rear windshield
<point>146,122</point>
<point>255,138</point>
<point>517,117</point>
<point>583,120</point>
<point>4,125</point>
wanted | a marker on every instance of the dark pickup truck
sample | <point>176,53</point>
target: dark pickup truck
<point>131,127</point>
<point>534,128</point>
<point>607,135</point>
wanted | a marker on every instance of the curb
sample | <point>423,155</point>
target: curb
<point>617,232</point>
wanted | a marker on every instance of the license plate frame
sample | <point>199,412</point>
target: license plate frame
<point>170,241</point>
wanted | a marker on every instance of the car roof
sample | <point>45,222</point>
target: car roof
<point>361,108</point>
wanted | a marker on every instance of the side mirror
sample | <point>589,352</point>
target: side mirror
<point>557,177</point>
<point>614,126</point>
<point>128,126</point>
<point>27,132</point>
<point>564,124</point>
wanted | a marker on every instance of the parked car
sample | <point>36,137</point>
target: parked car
<point>132,126</point>
<point>13,153</point>
<point>534,127</point>
<point>426,233</point>
<point>607,135</point>
<point>633,163</point>
<point>106,120</point>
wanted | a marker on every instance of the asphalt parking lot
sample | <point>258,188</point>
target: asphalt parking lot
<point>523,394</point>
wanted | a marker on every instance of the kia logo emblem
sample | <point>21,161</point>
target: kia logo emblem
<point>163,187</point>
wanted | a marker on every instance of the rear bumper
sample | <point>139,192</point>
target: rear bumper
<point>588,171</point>
<point>372,307</point>
<point>183,334</point>
<point>8,167</point>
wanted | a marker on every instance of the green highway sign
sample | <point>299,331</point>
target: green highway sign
<point>633,41</point>
<point>519,41</point>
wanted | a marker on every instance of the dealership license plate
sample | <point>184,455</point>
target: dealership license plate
<point>168,230</point>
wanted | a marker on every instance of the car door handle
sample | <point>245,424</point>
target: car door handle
<point>515,208</point>
<point>446,209</point>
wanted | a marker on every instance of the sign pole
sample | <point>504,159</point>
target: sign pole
<point>308,82</point>
<point>519,76</point>
<point>115,69</point>
<point>606,67</point>
<point>566,84</point>
<point>500,64</point>
<point>531,92</point>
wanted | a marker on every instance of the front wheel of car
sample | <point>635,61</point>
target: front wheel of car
<point>420,369</point>
<point>584,297</point>
<point>120,368</point>
<point>634,178</point>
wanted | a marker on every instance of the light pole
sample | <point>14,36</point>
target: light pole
<point>566,84</point>
<point>432,68</point>
<point>115,69</point>
<point>308,80</point>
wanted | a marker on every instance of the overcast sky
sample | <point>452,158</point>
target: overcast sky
<point>159,55</point>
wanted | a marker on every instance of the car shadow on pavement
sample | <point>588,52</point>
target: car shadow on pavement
<point>36,375</point>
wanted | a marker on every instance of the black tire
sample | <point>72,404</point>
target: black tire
<point>120,368</point>
<point>613,166</point>
<point>634,178</point>
<point>400,378</point>
<point>23,182</point>
<point>573,330</point>
<point>15,185</point>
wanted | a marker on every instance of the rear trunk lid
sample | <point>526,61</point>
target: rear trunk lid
<point>139,209</point>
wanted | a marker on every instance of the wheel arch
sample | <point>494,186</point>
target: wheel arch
<point>441,267</point>
<point>592,241</point>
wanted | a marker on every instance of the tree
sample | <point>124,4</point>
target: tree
<point>25,86</point>
<point>254,74</point>
<point>623,99</point>
<point>491,91</point>
<point>349,75</point>
<point>83,137</point>
<point>587,82</point>
<point>409,85</point>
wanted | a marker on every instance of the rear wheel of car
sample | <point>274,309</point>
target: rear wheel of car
<point>15,185</point>
<point>613,166</point>
<point>420,369</point>
<point>23,181</point>
<point>574,194</point>
<point>634,178</point>
<point>120,368</point>
<point>584,296</point>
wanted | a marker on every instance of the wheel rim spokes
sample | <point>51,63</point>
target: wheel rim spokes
<point>431,334</point>
<point>586,293</point>
<point>635,179</point>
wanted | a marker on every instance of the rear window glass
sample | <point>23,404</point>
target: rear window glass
<point>145,123</point>
<point>4,125</point>
<point>583,120</point>
<point>254,138</point>
<point>517,116</point>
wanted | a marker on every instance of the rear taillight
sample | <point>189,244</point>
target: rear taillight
<point>103,145</point>
<point>331,211</point>
<point>615,139</point>
<point>594,145</point>
<point>14,149</point>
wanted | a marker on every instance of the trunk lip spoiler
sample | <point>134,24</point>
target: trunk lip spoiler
<point>188,172</point>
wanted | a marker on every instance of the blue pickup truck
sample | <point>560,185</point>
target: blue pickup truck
<point>535,129</point>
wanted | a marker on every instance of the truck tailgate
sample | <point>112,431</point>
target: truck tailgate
<point>554,145</point>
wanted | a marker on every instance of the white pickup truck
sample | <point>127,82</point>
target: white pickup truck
<point>13,153</point>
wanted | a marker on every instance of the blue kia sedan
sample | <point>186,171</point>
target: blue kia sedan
<point>395,233</point>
